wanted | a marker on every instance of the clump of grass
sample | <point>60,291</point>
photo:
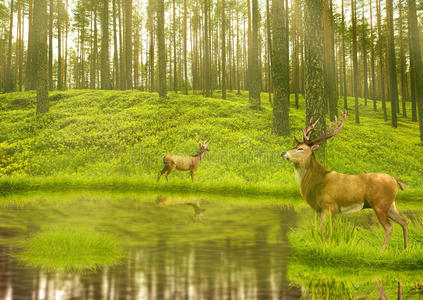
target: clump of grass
<point>71,249</point>
<point>341,242</point>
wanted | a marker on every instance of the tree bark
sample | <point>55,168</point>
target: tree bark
<point>255,71</point>
<point>313,71</point>
<point>223,51</point>
<point>128,43</point>
<point>381,61</point>
<point>392,73</point>
<point>280,69</point>
<point>354,58</point>
<point>416,60</point>
<point>40,54</point>
<point>8,77</point>
<point>161,48</point>
<point>105,60</point>
<point>50,47</point>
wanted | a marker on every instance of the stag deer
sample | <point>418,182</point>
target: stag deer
<point>331,192</point>
<point>184,163</point>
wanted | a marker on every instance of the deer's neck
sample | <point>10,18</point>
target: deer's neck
<point>199,156</point>
<point>310,176</point>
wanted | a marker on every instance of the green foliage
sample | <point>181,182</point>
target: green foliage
<point>125,134</point>
<point>345,282</point>
<point>70,249</point>
<point>343,243</point>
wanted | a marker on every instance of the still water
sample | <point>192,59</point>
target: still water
<point>175,247</point>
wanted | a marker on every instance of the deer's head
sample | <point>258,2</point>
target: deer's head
<point>304,149</point>
<point>204,145</point>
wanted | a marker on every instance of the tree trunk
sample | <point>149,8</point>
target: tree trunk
<point>255,71</point>
<point>328,65</point>
<point>105,61</point>
<point>314,59</point>
<point>269,51</point>
<point>128,43</point>
<point>354,58</point>
<point>223,51</point>
<point>416,60</point>
<point>403,75</point>
<point>206,61</point>
<point>50,47</point>
<point>40,54</point>
<point>8,77</point>
<point>280,70</point>
<point>381,61</point>
<point>372,57</point>
<point>392,73</point>
<point>29,81</point>
<point>161,48</point>
<point>185,47</point>
<point>344,67</point>
<point>59,48</point>
<point>364,58</point>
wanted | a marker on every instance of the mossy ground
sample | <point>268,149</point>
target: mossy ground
<point>92,135</point>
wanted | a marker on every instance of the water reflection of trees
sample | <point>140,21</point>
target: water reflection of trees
<point>165,269</point>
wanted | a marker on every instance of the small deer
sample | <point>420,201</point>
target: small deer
<point>184,163</point>
<point>331,192</point>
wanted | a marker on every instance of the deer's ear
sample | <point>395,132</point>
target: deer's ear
<point>315,147</point>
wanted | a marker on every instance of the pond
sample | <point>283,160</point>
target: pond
<point>173,247</point>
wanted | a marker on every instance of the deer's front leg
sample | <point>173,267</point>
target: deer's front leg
<point>192,175</point>
<point>323,215</point>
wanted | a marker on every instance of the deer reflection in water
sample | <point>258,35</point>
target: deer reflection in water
<point>172,201</point>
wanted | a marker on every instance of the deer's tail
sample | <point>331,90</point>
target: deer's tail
<point>401,184</point>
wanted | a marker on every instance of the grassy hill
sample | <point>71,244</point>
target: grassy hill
<point>105,137</point>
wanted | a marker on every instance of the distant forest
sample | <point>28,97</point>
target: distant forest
<point>325,50</point>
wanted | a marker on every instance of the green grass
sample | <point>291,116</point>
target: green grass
<point>70,249</point>
<point>344,243</point>
<point>345,282</point>
<point>117,139</point>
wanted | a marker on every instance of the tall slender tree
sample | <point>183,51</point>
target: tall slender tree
<point>416,60</point>
<point>344,63</point>
<point>128,44</point>
<point>381,60</point>
<point>185,47</point>
<point>314,59</point>
<point>40,54</point>
<point>392,63</point>
<point>372,57</point>
<point>161,48</point>
<point>8,77</point>
<point>330,89</point>
<point>354,58</point>
<point>280,69</point>
<point>50,46</point>
<point>105,60</point>
<point>403,75</point>
<point>223,43</point>
<point>255,71</point>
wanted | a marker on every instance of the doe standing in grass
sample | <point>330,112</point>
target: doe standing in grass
<point>184,163</point>
<point>331,192</point>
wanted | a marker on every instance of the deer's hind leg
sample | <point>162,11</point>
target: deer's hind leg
<point>382,216</point>
<point>396,217</point>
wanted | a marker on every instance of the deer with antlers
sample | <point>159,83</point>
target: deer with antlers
<point>184,163</point>
<point>331,192</point>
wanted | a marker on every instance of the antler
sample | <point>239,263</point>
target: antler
<point>327,135</point>
<point>309,130</point>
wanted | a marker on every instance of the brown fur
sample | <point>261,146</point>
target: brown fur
<point>331,192</point>
<point>183,163</point>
